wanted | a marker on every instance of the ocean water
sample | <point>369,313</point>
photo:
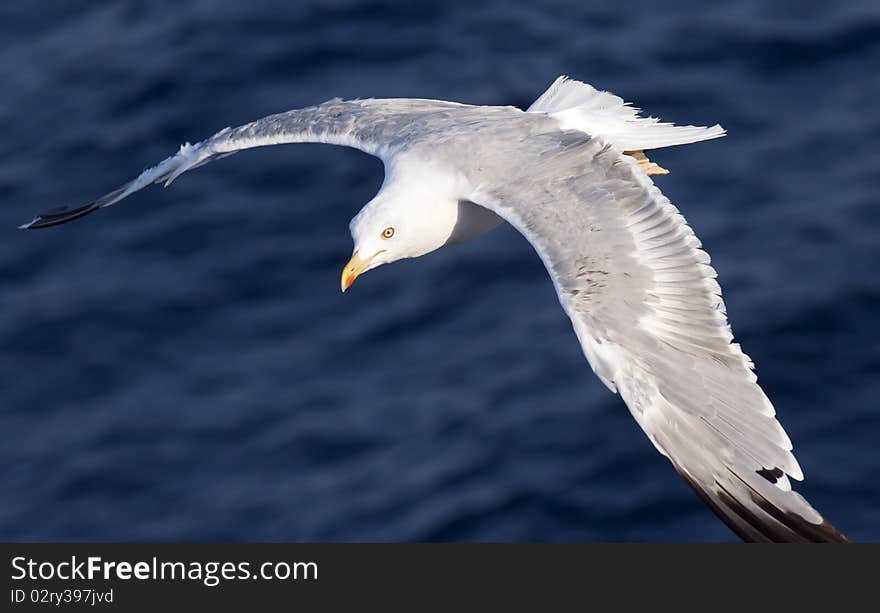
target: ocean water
<point>183,366</point>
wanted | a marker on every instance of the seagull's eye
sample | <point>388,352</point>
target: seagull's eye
<point>388,232</point>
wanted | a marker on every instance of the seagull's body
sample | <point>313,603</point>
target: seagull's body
<point>570,174</point>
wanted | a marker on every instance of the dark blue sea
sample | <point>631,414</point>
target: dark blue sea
<point>184,367</point>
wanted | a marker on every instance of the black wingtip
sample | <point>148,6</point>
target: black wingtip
<point>59,216</point>
<point>763,523</point>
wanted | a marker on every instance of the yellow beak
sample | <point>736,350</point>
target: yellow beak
<point>353,270</point>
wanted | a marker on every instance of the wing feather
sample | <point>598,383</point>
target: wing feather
<point>377,127</point>
<point>646,306</point>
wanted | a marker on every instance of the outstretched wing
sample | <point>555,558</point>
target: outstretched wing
<point>648,312</point>
<point>378,127</point>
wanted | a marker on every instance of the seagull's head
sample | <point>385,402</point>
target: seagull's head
<point>392,228</point>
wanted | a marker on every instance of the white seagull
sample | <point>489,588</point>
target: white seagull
<point>571,175</point>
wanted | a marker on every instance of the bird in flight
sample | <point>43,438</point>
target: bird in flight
<point>571,174</point>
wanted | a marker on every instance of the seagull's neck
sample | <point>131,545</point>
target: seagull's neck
<point>421,200</point>
<point>438,202</point>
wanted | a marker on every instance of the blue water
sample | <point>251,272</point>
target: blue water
<point>183,366</point>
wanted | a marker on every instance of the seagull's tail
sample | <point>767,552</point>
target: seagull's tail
<point>187,158</point>
<point>579,106</point>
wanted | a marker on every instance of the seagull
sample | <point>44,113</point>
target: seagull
<point>570,173</point>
